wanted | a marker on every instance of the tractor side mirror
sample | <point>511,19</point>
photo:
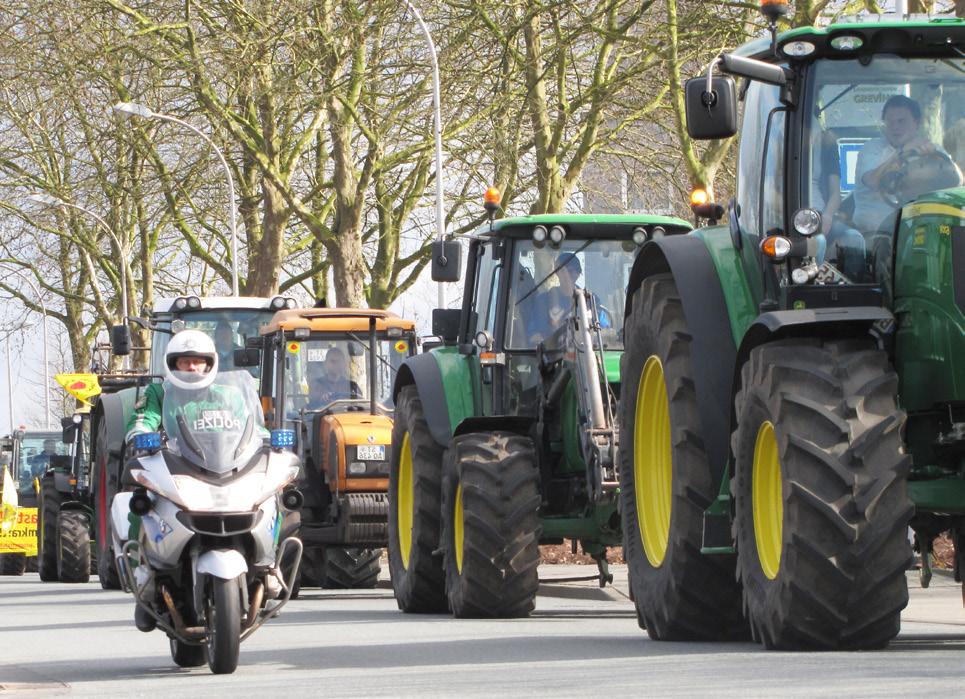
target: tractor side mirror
<point>120,340</point>
<point>355,349</point>
<point>246,357</point>
<point>69,427</point>
<point>255,342</point>
<point>446,261</point>
<point>711,114</point>
<point>445,324</point>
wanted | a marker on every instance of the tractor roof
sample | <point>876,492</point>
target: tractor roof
<point>335,320</point>
<point>586,225</point>
<point>879,33</point>
<point>216,303</point>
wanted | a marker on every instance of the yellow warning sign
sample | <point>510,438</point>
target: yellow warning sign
<point>401,346</point>
<point>294,347</point>
<point>8,501</point>
<point>80,386</point>
<point>21,537</point>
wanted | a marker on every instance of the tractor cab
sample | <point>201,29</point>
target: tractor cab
<point>843,128</point>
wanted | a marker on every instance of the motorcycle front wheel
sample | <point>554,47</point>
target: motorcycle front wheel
<point>223,622</point>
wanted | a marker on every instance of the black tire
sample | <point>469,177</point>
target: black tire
<point>50,502</point>
<point>186,655</point>
<point>352,568</point>
<point>105,483</point>
<point>73,547</point>
<point>679,593</point>
<point>839,547</point>
<point>223,616</point>
<point>492,504</point>
<point>13,563</point>
<point>419,582</point>
<point>311,572</point>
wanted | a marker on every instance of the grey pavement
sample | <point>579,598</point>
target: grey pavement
<point>78,640</point>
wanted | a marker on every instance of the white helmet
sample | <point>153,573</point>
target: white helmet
<point>190,343</point>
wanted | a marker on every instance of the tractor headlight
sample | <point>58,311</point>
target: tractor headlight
<point>557,234</point>
<point>639,235</point>
<point>807,221</point>
<point>539,234</point>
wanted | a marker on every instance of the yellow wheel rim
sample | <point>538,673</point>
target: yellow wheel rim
<point>767,500</point>
<point>653,461</point>
<point>404,498</point>
<point>458,533</point>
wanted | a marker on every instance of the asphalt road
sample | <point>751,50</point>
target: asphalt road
<point>58,639</point>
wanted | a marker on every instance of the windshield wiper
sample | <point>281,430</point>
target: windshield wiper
<point>555,270</point>
<point>368,349</point>
<point>841,94</point>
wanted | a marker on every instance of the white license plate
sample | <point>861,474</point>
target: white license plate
<point>368,452</point>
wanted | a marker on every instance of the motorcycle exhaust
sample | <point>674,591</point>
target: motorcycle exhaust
<point>187,632</point>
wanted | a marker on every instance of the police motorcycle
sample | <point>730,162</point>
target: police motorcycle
<point>209,562</point>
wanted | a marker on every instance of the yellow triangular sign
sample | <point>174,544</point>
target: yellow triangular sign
<point>80,386</point>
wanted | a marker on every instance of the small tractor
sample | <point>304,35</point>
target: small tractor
<point>327,373</point>
<point>505,437</point>
<point>230,320</point>
<point>26,454</point>
<point>793,394</point>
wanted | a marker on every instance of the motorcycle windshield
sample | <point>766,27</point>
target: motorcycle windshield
<point>215,425</point>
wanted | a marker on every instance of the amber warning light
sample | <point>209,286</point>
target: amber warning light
<point>703,207</point>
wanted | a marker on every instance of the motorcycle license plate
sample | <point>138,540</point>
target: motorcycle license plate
<point>369,452</point>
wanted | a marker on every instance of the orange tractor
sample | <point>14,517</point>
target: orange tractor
<point>327,373</point>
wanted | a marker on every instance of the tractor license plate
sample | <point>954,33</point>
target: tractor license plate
<point>369,452</point>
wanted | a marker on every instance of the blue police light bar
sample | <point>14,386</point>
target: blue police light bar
<point>282,439</point>
<point>148,441</point>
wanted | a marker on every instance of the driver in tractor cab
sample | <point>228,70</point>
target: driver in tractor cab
<point>39,463</point>
<point>554,304</point>
<point>883,162</point>
<point>333,383</point>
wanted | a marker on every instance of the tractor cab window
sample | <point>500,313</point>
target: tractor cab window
<point>39,451</point>
<point>544,279</point>
<point>333,374</point>
<point>761,191</point>
<point>229,328</point>
<point>485,295</point>
<point>878,136</point>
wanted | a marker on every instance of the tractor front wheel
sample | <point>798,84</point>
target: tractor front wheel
<point>821,497</point>
<point>492,525</point>
<point>665,479</point>
<point>50,502</point>
<point>415,491</point>
<point>73,547</point>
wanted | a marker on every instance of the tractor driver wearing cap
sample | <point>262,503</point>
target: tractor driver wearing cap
<point>557,302</point>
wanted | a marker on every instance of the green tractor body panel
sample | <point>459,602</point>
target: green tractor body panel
<point>741,303</point>
<point>460,379</point>
<point>931,321</point>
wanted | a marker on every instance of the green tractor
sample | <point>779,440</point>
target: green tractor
<point>504,436</point>
<point>793,393</point>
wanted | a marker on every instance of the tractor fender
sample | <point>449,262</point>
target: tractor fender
<point>114,409</point>
<point>517,424</point>
<point>423,371</point>
<point>713,350</point>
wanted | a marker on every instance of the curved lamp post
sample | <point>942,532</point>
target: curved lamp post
<point>132,109</point>
<point>40,299</point>
<point>437,114</point>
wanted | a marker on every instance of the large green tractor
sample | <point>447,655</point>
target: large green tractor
<point>794,379</point>
<point>504,437</point>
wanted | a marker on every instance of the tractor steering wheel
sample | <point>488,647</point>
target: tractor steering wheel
<point>918,173</point>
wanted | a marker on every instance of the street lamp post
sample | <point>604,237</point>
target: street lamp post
<point>40,299</point>
<point>122,251</point>
<point>132,109</point>
<point>437,120</point>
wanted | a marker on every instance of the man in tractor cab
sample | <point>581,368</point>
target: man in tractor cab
<point>887,165</point>
<point>333,383</point>
<point>553,305</point>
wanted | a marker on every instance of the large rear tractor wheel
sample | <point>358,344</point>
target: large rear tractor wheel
<point>415,491</point>
<point>665,479</point>
<point>106,485</point>
<point>50,502</point>
<point>822,506</point>
<point>492,525</point>
<point>351,568</point>
<point>223,616</point>
<point>73,547</point>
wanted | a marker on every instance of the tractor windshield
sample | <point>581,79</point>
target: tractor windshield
<point>229,328</point>
<point>332,373</point>
<point>879,135</point>
<point>545,277</point>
